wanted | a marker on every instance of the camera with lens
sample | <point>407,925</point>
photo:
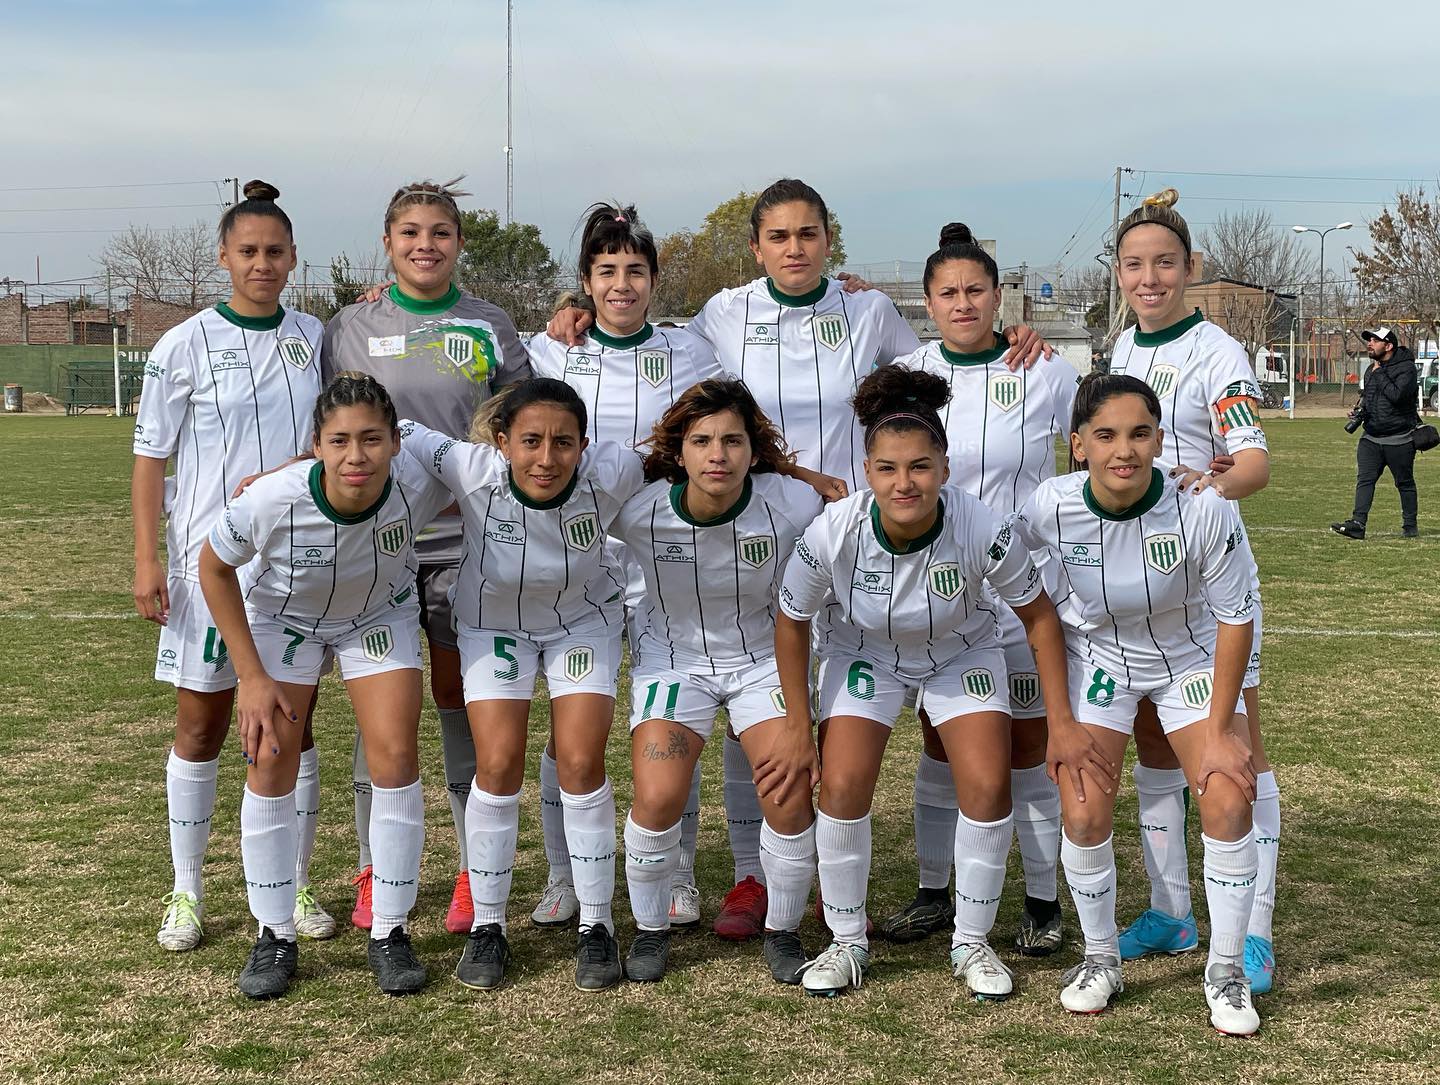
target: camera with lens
<point>1355,420</point>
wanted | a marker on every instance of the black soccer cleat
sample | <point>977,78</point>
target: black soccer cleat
<point>269,968</point>
<point>648,957</point>
<point>483,960</point>
<point>597,959</point>
<point>397,970</point>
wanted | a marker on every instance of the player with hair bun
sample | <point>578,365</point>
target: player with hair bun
<point>441,352</point>
<point>314,562</point>
<point>227,395</point>
<point>1208,399</point>
<point>899,573</point>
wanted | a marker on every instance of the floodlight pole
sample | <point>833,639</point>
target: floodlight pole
<point>1312,230</point>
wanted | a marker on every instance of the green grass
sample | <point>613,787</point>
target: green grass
<point>88,996</point>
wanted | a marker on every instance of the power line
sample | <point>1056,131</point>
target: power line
<point>1268,199</point>
<point>116,207</point>
<point>1294,176</point>
<point>91,188</point>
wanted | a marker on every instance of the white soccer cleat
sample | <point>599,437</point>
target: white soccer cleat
<point>1227,990</point>
<point>311,920</point>
<point>684,904</point>
<point>557,906</point>
<point>181,928</point>
<point>838,968</point>
<point>977,964</point>
<point>1091,984</point>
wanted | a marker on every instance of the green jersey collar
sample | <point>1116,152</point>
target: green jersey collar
<point>542,506</point>
<point>677,502</point>
<point>422,306</point>
<point>252,323</point>
<point>1140,508</point>
<point>913,545</point>
<point>796,301</point>
<point>621,342</point>
<point>317,491</point>
<point>979,357</point>
<point>1170,334</point>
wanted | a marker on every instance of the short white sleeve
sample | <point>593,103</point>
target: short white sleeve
<point>808,583</point>
<point>164,397</point>
<point>460,465</point>
<point>1225,570</point>
<point>234,536</point>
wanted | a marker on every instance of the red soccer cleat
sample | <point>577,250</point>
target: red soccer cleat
<point>364,884</point>
<point>742,914</point>
<point>461,916</point>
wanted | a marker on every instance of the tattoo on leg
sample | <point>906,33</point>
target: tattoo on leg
<point>679,746</point>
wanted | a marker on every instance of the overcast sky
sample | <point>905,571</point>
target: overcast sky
<point>905,116</point>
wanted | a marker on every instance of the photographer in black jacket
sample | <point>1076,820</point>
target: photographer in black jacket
<point>1389,411</point>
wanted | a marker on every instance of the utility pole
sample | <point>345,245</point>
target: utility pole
<point>509,133</point>
<point>234,183</point>
<point>1115,258</point>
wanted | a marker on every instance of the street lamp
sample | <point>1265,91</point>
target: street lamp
<point>1322,233</point>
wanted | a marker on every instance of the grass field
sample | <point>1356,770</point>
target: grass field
<point>1351,669</point>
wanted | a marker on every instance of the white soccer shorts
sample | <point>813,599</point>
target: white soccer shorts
<point>502,664</point>
<point>750,696</point>
<point>975,681</point>
<point>388,642</point>
<point>192,654</point>
<point>1099,697</point>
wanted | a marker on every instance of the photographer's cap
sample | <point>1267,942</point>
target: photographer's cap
<point>1381,332</point>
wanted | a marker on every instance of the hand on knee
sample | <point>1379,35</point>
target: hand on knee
<point>1225,813</point>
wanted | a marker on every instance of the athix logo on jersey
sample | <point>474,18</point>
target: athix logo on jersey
<point>229,359</point>
<point>761,335</point>
<point>295,351</point>
<point>871,582</point>
<point>377,643</point>
<point>677,552</point>
<point>313,557</point>
<point>756,550</point>
<point>391,537</point>
<point>504,531</point>
<point>1006,391</point>
<point>579,662</point>
<point>1024,688</point>
<point>1086,555</point>
<point>979,683</point>
<point>1162,379</point>
<point>945,579</point>
<point>582,531</point>
<point>1164,552</point>
<point>582,365</point>
<point>653,366</point>
<point>831,330</point>
<point>1195,689</point>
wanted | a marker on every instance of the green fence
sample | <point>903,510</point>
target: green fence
<point>41,368</point>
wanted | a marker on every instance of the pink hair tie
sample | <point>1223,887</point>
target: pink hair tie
<point>619,218</point>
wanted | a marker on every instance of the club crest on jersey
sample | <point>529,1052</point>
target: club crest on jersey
<point>459,348</point>
<point>392,536</point>
<point>777,698</point>
<point>830,330</point>
<point>579,662</point>
<point>978,683</point>
<point>295,351</point>
<point>1024,688</point>
<point>945,579</point>
<point>1165,552</point>
<point>1162,379</point>
<point>377,643</point>
<point>1195,689</point>
<point>653,366</point>
<point>582,531</point>
<point>1006,391</point>
<point>756,550</point>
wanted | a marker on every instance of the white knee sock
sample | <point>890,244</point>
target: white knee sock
<point>936,811</point>
<point>590,833</point>
<point>458,750</point>
<point>650,858</point>
<point>190,796</point>
<point>1163,799</point>
<point>843,852</point>
<point>1229,894</point>
<point>980,849</point>
<point>1267,842</point>
<point>397,828</point>
<point>268,842</point>
<point>684,873</point>
<point>1037,825</point>
<point>360,780</point>
<point>552,820</point>
<point>789,863</point>
<point>307,812</point>
<point>742,812</point>
<point>1090,873</point>
<point>492,824</point>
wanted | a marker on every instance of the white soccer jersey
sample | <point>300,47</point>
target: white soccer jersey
<point>1139,594</point>
<point>529,566</point>
<point>802,358</point>
<point>321,571</point>
<point>228,396</point>
<point>911,611</point>
<point>710,587</point>
<point>626,383</point>
<point>1000,426</point>
<point>1205,384</point>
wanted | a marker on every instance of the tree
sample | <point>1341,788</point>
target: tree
<point>1089,288</point>
<point>1400,276</point>
<point>191,261</point>
<point>1249,247</point>
<point>697,264</point>
<point>177,265</point>
<point>346,286</point>
<point>510,266</point>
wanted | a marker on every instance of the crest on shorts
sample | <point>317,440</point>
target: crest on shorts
<point>1006,391</point>
<point>1024,688</point>
<point>945,580</point>
<point>653,366</point>
<point>295,351</point>
<point>1195,689</point>
<point>777,698</point>
<point>1162,379</point>
<point>392,536</point>
<point>582,531</point>
<point>830,330</point>
<point>1164,552</point>
<point>756,550</point>
<point>459,348</point>
<point>579,662</point>
<point>979,683</point>
<point>377,643</point>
